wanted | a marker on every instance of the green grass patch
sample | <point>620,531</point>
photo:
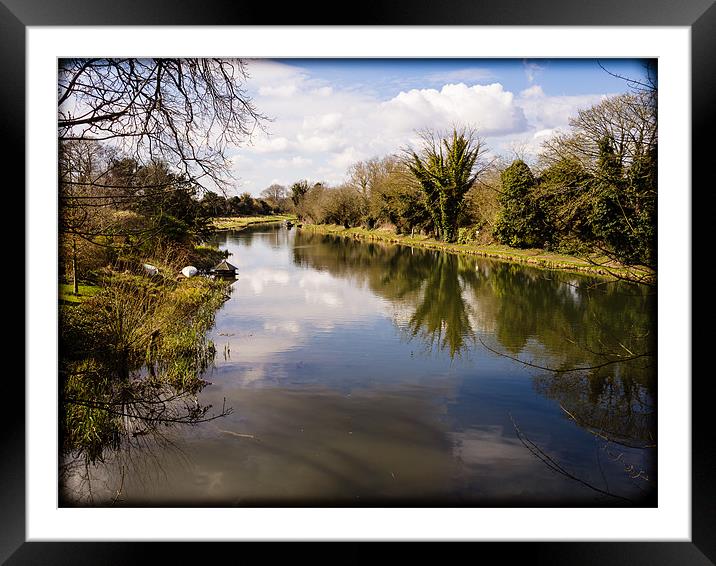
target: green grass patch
<point>67,292</point>
<point>241,222</point>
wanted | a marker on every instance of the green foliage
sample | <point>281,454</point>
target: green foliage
<point>563,192</point>
<point>521,221</point>
<point>623,214</point>
<point>343,206</point>
<point>298,191</point>
<point>611,209</point>
<point>600,184</point>
<point>446,170</point>
<point>67,295</point>
<point>405,207</point>
<point>467,235</point>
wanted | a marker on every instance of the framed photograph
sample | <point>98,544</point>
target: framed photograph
<point>384,360</point>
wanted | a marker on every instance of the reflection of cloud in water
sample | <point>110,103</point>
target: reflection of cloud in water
<point>486,446</point>
<point>259,278</point>
<point>324,325</point>
<point>252,374</point>
<point>283,326</point>
<point>501,466</point>
<point>316,279</point>
<point>279,310</point>
<point>324,298</point>
<point>209,481</point>
<point>573,290</point>
<point>291,447</point>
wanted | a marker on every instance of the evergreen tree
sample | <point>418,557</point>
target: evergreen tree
<point>521,221</point>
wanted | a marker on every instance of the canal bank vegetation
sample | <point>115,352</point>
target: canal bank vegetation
<point>589,199</point>
<point>132,326</point>
<point>241,222</point>
<point>531,256</point>
<point>142,158</point>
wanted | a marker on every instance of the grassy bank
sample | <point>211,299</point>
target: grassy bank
<point>67,292</point>
<point>535,257</point>
<point>241,222</point>
<point>132,353</point>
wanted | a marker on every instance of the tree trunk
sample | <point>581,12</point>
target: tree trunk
<point>75,283</point>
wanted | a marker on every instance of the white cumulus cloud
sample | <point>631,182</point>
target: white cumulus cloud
<point>488,107</point>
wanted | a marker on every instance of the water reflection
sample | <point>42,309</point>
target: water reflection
<point>426,289</point>
<point>552,320</point>
<point>358,376</point>
<point>446,299</point>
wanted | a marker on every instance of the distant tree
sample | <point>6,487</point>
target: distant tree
<point>343,205</point>
<point>362,177</point>
<point>312,202</point>
<point>482,201</point>
<point>246,205</point>
<point>170,205</point>
<point>214,204</point>
<point>276,195</point>
<point>298,191</point>
<point>372,181</point>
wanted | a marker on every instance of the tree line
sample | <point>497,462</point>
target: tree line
<point>591,191</point>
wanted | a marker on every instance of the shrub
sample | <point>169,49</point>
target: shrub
<point>467,235</point>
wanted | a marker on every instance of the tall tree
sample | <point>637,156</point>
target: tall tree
<point>446,168</point>
<point>298,191</point>
<point>521,221</point>
<point>614,143</point>
<point>275,195</point>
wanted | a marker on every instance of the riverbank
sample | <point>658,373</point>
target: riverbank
<point>534,257</point>
<point>241,222</point>
<point>138,342</point>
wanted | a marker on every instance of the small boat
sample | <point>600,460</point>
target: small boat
<point>225,269</point>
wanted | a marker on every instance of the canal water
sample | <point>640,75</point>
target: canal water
<point>363,374</point>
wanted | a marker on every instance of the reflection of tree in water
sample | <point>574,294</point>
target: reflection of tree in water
<point>554,320</point>
<point>614,403</point>
<point>572,323</point>
<point>271,234</point>
<point>430,286</point>
<point>442,314</point>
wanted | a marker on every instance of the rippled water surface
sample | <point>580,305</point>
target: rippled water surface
<point>364,374</point>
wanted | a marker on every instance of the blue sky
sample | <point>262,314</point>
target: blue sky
<point>556,76</point>
<point>328,113</point>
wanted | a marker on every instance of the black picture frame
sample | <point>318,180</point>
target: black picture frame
<point>699,15</point>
